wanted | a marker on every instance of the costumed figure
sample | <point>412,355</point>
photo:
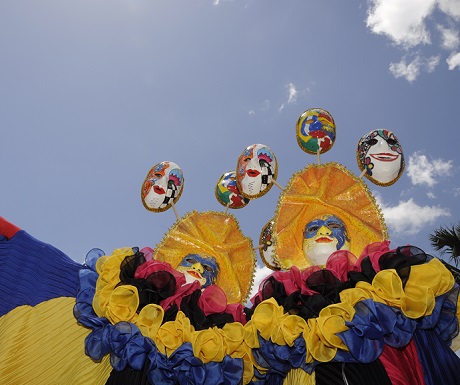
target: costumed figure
<point>341,306</point>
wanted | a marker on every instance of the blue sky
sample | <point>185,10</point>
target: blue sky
<point>94,93</point>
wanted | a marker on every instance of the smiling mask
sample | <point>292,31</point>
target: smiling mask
<point>380,155</point>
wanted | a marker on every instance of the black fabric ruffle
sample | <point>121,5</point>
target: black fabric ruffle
<point>335,373</point>
<point>160,285</point>
<point>328,286</point>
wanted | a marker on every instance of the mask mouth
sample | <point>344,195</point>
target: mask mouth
<point>194,274</point>
<point>252,173</point>
<point>324,240</point>
<point>384,157</point>
<point>158,189</point>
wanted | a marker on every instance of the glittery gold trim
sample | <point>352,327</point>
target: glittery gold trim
<point>268,227</point>
<point>219,235</point>
<point>318,190</point>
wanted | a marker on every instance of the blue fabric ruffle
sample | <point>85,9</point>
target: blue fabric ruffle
<point>28,272</point>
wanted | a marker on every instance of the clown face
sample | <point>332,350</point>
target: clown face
<point>322,237</point>
<point>198,268</point>
<point>256,170</point>
<point>380,154</point>
<point>162,186</point>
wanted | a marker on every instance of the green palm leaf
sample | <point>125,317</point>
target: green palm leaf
<point>447,241</point>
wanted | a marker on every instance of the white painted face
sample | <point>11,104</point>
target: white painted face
<point>161,186</point>
<point>154,199</point>
<point>322,237</point>
<point>252,181</point>
<point>381,155</point>
<point>256,170</point>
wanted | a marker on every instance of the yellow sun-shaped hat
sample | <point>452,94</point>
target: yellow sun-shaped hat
<point>320,190</point>
<point>218,235</point>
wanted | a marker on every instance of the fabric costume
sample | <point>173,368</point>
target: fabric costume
<point>370,315</point>
<point>387,319</point>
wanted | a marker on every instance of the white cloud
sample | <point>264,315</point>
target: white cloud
<point>408,218</point>
<point>450,7</point>
<point>457,192</point>
<point>292,98</point>
<point>430,195</point>
<point>402,21</point>
<point>292,93</point>
<point>409,23</point>
<point>412,70</point>
<point>251,112</point>
<point>454,61</point>
<point>423,171</point>
<point>450,38</point>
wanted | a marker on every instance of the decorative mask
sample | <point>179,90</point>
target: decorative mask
<point>315,131</point>
<point>256,170</point>
<point>227,192</point>
<point>330,204</point>
<point>162,186</point>
<point>203,269</point>
<point>198,236</point>
<point>380,154</point>
<point>323,236</point>
<point>267,252</point>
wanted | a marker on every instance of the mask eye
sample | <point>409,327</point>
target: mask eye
<point>208,268</point>
<point>371,142</point>
<point>334,225</point>
<point>191,260</point>
<point>392,142</point>
<point>313,229</point>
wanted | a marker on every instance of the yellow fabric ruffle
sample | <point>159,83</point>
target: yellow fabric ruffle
<point>108,268</point>
<point>415,300</point>
<point>44,344</point>
<point>150,319</point>
<point>299,376</point>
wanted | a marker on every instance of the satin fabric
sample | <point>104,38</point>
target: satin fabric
<point>44,344</point>
<point>32,271</point>
<point>370,316</point>
<point>403,365</point>
<point>440,364</point>
<point>385,311</point>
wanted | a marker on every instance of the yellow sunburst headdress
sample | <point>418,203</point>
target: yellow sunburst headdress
<point>319,190</point>
<point>218,235</point>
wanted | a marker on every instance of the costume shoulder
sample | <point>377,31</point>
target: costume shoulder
<point>32,271</point>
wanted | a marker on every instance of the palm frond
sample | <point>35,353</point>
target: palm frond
<point>447,241</point>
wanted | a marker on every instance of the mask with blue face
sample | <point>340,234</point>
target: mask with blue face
<point>331,225</point>
<point>203,269</point>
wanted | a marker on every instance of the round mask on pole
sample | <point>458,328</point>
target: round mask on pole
<point>162,186</point>
<point>380,157</point>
